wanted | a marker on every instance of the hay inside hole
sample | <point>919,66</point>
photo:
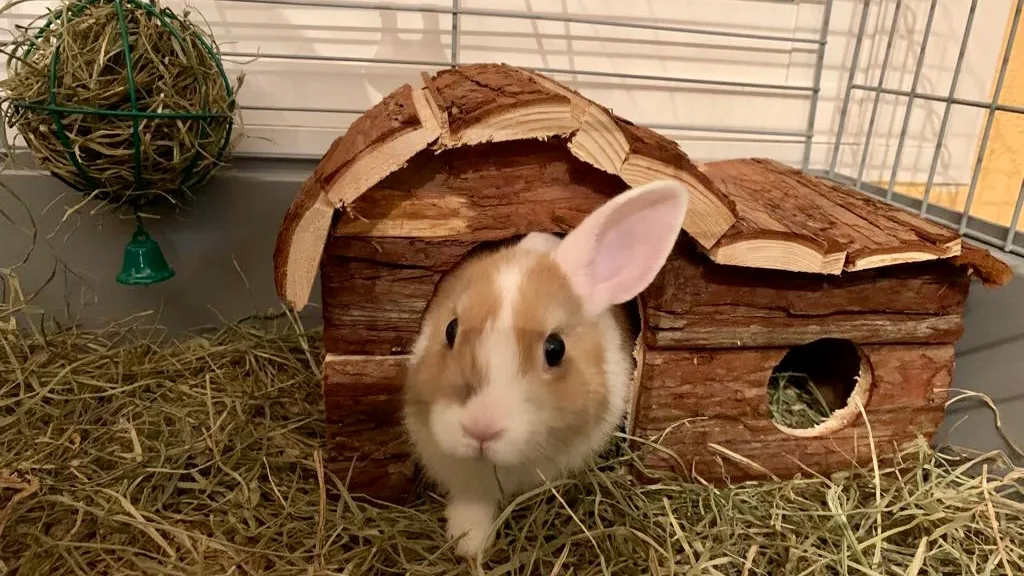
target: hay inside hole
<point>812,389</point>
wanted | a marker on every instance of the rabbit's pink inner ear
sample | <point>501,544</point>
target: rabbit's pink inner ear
<point>617,251</point>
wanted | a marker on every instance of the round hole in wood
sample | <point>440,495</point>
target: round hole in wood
<point>816,387</point>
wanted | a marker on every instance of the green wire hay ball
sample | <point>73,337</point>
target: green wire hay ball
<point>120,99</point>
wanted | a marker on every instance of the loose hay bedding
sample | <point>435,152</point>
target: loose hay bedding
<point>125,452</point>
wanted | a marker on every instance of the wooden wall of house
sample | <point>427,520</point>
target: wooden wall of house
<point>716,333</point>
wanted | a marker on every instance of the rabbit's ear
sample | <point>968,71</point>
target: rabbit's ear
<point>618,250</point>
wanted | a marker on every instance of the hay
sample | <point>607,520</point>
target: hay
<point>183,111</point>
<point>125,452</point>
<point>794,401</point>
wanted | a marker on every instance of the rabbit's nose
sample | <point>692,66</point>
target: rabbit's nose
<point>482,432</point>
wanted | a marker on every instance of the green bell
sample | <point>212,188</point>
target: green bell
<point>144,263</point>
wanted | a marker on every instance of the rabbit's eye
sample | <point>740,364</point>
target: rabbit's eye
<point>451,331</point>
<point>554,350</point>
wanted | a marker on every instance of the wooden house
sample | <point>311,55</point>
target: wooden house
<point>773,266</point>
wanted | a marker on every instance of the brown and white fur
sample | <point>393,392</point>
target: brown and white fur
<point>488,414</point>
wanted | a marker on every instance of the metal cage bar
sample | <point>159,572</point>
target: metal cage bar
<point>968,103</point>
<point>944,125</point>
<point>918,67</point>
<point>1011,231</point>
<point>819,65</point>
<point>455,33</point>
<point>991,116</point>
<point>526,15</point>
<point>866,147</point>
<point>596,73</point>
<point>841,129</point>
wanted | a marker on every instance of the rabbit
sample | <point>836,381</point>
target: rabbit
<point>522,368</point>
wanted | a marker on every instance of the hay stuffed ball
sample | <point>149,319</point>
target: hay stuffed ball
<point>126,103</point>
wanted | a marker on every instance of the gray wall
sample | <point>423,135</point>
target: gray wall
<point>221,249</point>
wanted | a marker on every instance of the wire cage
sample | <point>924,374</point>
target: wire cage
<point>963,219</point>
<point>913,101</point>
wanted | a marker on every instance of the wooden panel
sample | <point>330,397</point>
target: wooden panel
<point>473,94</point>
<point>651,156</point>
<point>696,303</point>
<point>395,114</point>
<point>790,220</point>
<point>993,272</point>
<point>366,440</point>
<point>372,308</point>
<point>1001,170</point>
<point>439,255</point>
<point>375,291</point>
<point>643,141</point>
<point>300,243</point>
<point>387,253</point>
<point>731,329</point>
<point>377,143</point>
<point>723,395</point>
<point>486,192</point>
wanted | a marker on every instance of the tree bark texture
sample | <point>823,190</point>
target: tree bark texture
<point>719,397</point>
<point>694,303</point>
<point>473,93</point>
<point>366,441</point>
<point>848,229</point>
<point>388,252</point>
